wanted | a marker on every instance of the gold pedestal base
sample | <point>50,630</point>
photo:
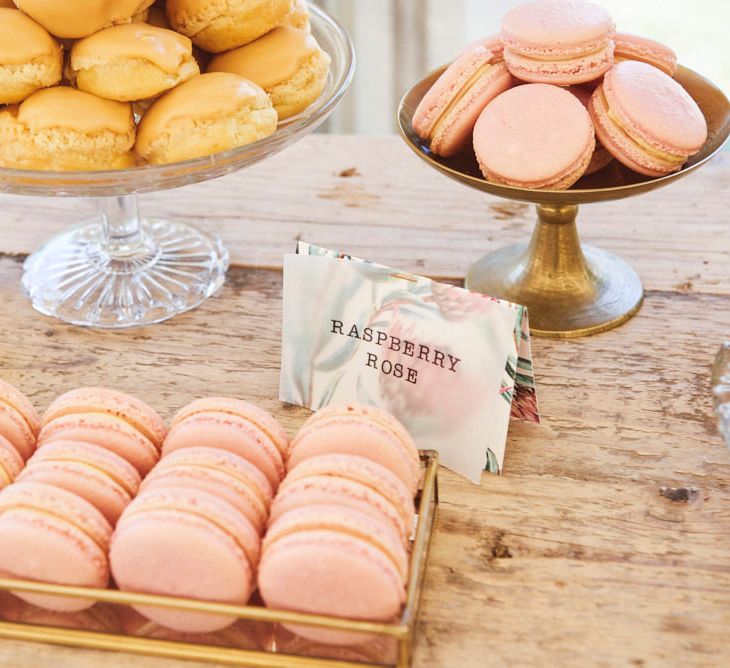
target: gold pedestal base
<point>570,290</point>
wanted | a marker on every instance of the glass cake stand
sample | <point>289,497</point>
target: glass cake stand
<point>121,270</point>
<point>571,290</point>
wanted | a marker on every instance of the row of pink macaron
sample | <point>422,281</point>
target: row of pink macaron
<point>222,462</point>
<point>501,97</point>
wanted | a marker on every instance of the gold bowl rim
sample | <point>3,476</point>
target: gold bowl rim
<point>717,115</point>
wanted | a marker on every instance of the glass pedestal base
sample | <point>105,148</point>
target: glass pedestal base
<point>166,268</point>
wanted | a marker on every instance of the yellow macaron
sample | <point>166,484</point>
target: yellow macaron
<point>62,128</point>
<point>132,62</point>
<point>220,26</point>
<point>207,114</point>
<point>72,20</point>
<point>30,58</point>
<point>286,62</point>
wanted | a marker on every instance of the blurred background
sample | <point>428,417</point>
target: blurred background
<point>398,41</point>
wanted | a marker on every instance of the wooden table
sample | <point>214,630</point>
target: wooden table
<point>578,555</point>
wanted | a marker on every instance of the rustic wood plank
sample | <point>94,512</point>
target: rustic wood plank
<point>372,197</point>
<point>574,557</point>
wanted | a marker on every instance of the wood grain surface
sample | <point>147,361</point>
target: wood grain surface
<point>578,555</point>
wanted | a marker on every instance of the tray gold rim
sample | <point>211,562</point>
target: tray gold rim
<point>402,631</point>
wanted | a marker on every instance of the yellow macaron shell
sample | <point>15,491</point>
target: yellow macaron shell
<point>286,62</point>
<point>207,114</point>
<point>62,128</point>
<point>64,107</point>
<point>30,58</point>
<point>22,39</point>
<point>219,26</point>
<point>81,17</point>
<point>132,62</point>
<point>271,59</point>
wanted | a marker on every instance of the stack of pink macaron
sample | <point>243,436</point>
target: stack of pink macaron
<point>195,529</point>
<point>64,503</point>
<point>19,427</point>
<point>557,95</point>
<point>211,519</point>
<point>337,541</point>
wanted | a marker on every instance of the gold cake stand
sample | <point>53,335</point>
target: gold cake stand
<point>571,290</point>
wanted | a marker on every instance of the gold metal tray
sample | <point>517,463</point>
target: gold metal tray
<point>257,638</point>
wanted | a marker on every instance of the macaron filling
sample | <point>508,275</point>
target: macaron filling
<point>443,118</point>
<point>671,159</point>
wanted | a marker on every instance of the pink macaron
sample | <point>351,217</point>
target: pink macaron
<point>186,543</point>
<point>96,474</point>
<point>634,47</point>
<point>333,560</point>
<point>218,472</point>
<point>561,42</point>
<point>233,425</point>
<point>107,418</point>
<point>51,535</point>
<point>19,421</point>
<point>534,136</point>
<point>11,463</point>
<point>601,157</point>
<point>351,481</point>
<point>447,113</point>
<point>131,410</point>
<point>357,429</point>
<point>646,119</point>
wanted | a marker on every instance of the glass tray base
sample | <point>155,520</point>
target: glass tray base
<point>169,268</point>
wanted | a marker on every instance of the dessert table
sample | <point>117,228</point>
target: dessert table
<point>606,542</point>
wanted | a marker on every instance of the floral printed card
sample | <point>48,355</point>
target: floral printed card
<point>452,365</point>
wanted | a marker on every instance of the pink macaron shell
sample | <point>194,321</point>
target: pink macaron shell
<point>361,470</point>
<point>223,460</point>
<point>100,458</point>
<point>11,395</point>
<point>210,507</point>
<point>244,409</point>
<point>492,42</point>
<point>331,490</point>
<point>51,535</point>
<point>367,414</point>
<point>11,463</point>
<point>330,573</point>
<point>635,47</point>
<point>15,428</point>
<point>600,159</point>
<point>232,433</point>
<point>578,70</point>
<point>108,498</point>
<point>655,108</point>
<point>354,436</point>
<point>105,431</point>
<point>601,156</point>
<point>339,517</point>
<point>62,554</point>
<point>218,483</point>
<point>52,500</point>
<point>534,136</point>
<point>621,146</point>
<point>562,28</point>
<point>446,115</point>
<point>177,553</point>
<point>455,130</point>
<point>124,406</point>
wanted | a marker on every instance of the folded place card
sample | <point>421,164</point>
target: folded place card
<point>452,365</point>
